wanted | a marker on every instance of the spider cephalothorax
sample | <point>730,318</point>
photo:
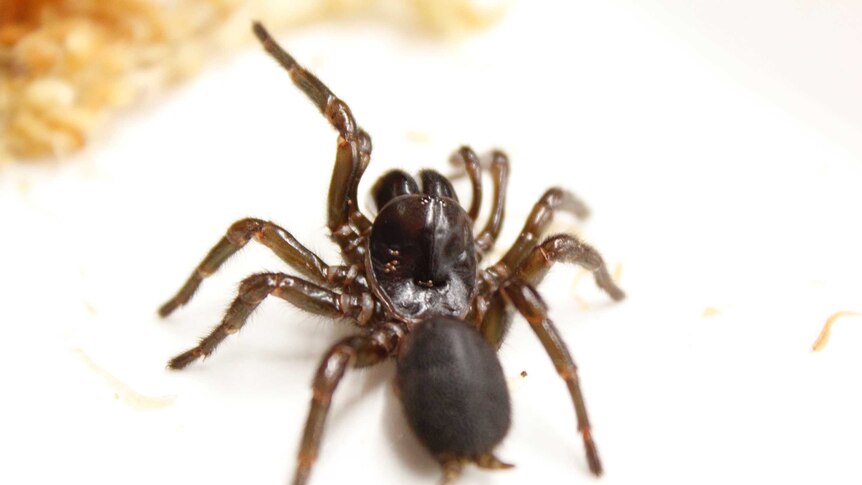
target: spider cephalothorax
<point>413,286</point>
<point>422,260</point>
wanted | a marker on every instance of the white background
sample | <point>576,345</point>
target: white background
<point>718,146</point>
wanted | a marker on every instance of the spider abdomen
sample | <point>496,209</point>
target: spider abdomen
<point>453,389</point>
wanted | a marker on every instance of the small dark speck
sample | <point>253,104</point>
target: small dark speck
<point>523,373</point>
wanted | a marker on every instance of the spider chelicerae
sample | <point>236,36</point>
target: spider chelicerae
<point>412,285</point>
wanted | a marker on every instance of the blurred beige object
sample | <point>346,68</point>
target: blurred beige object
<point>66,66</point>
<point>827,328</point>
<point>459,15</point>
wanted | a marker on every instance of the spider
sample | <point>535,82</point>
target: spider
<point>412,285</point>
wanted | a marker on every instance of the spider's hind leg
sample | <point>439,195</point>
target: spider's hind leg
<point>355,352</point>
<point>528,302</point>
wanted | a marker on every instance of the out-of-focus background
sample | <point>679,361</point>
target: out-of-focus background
<point>717,144</point>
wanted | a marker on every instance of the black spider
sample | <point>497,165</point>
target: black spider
<point>412,285</point>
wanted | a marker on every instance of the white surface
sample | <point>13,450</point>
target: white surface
<point>717,179</point>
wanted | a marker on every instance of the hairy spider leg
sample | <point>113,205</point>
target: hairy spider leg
<point>348,227</point>
<point>562,248</point>
<point>500,176</point>
<point>495,318</point>
<point>540,218</point>
<point>466,157</point>
<point>565,248</point>
<point>346,222</point>
<point>528,302</point>
<point>280,241</point>
<point>303,294</point>
<point>356,352</point>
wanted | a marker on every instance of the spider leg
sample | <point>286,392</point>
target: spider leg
<point>496,320</point>
<point>500,175</point>
<point>553,200</point>
<point>565,248</point>
<point>348,227</point>
<point>301,293</point>
<point>346,223</point>
<point>528,302</point>
<point>335,110</point>
<point>467,157</point>
<point>356,352</point>
<point>281,242</point>
<point>562,248</point>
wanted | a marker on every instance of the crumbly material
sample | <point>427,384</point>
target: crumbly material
<point>67,66</point>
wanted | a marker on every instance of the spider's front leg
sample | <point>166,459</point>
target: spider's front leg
<point>346,222</point>
<point>348,227</point>
<point>500,175</point>
<point>531,260</point>
<point>356,352</point>
<point>528,302</point>
<point>467,157</point>
<point>565,248</point>
<point>540,218</point>
<point>562,248</point>
<point>301,293</point>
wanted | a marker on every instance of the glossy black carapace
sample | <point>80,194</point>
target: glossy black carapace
<point>412,284</point>
<point>423,258</point>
